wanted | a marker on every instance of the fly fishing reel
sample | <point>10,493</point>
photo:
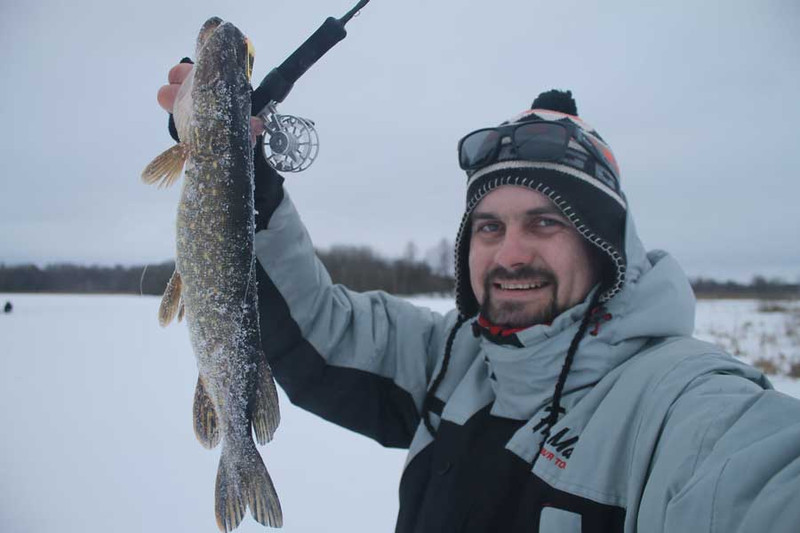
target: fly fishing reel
<point>291,143</point>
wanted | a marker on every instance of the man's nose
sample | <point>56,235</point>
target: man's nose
<point>515,250</point>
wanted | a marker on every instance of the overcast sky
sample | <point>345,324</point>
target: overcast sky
<point>699,100</point>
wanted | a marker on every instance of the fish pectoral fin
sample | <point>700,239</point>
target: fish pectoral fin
<point>166,168</point>
<point>241,481</point>
<point>171,300</point>
<point>181,310</point>
<point>266,414</point>
<point>206,426</point>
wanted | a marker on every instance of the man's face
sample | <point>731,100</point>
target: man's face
<point>527,262</point>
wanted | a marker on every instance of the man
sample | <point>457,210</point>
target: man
<point>576,399</point>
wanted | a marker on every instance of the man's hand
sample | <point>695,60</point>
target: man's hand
<point>167,94</point>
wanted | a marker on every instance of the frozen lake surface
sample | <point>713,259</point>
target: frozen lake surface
<point>97,431</point>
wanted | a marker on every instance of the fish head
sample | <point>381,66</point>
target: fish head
<point>205,31</point>
<point>222,48</point>
<point>223,52</point>
<point>220,76</point>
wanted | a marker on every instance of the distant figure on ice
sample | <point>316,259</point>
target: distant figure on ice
<point>8,307</point>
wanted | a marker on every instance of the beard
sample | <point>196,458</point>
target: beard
<point>542,308</point>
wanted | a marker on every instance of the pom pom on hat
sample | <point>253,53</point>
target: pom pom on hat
<point>556,100</point>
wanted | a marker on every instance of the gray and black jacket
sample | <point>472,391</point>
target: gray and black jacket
<point>659,431</point>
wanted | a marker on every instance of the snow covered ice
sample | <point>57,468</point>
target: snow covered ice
<point>97,432</point>
<point>765,332</point>
<point>97,425</point>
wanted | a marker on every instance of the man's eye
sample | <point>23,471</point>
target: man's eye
<point>487,227</point>
<point>547,222</point>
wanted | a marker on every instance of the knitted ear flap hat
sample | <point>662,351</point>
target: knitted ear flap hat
<point>583,184</point>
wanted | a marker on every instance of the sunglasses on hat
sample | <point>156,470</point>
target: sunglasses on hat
<point>534,141</point>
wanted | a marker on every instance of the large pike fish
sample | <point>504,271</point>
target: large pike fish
<point>215,278</point>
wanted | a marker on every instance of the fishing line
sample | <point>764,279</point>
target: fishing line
<point>250,277</point>
<point>141,281</point>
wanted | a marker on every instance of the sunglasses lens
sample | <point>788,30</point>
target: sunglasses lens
<point>477,148</point>
<point>541,141</point>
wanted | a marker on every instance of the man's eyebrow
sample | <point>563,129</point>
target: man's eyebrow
<point>545,210</point>
<point>536,211</point>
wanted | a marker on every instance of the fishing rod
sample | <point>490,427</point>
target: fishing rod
<point>291,143</point>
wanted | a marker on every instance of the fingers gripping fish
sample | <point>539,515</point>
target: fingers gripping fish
<point>214,280</point>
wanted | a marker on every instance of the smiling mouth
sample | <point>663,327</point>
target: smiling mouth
<point>517,286</point>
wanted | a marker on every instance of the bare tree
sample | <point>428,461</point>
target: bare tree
<point>410,252</point>
<point>440,258</point>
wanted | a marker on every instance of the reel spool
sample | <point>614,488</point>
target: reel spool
<point>291,143</point>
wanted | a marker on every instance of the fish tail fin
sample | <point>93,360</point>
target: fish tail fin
<point>266,413</point>
<point>170,302</point>
<point>243,481</point>
<point>229,503</point>
<point>206,426</point>
<point>167,167</point>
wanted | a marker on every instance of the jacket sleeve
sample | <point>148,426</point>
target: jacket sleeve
<point>360,360</point>
<point>728,461</point>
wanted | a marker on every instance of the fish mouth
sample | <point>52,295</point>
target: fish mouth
<point>251,57</point>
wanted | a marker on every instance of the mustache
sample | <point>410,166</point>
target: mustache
<point>524,272</point>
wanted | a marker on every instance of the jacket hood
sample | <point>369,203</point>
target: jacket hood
<point>656,301</point>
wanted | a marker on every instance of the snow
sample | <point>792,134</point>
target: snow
<point>97,432</point>
<point>743,329</point>
<point>97,427</point>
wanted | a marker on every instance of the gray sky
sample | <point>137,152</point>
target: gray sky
<point>699,101</point>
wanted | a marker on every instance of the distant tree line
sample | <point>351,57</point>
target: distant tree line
<point>361,269</point>
<point>357,267</point>
<point>758,288</point>
<point>69,278</point>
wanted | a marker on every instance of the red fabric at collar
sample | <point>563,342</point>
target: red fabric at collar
<point>497,330</point>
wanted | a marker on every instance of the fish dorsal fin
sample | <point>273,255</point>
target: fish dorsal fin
<point>166,168</point>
